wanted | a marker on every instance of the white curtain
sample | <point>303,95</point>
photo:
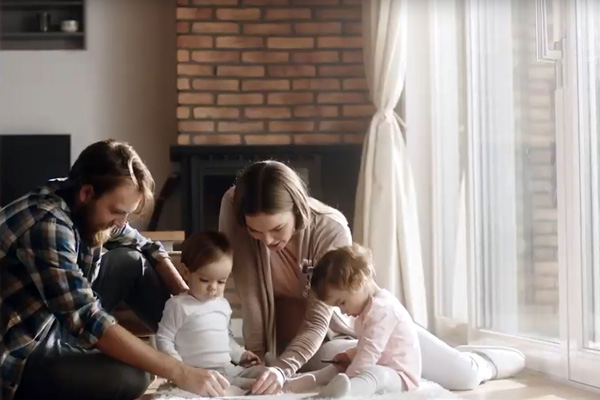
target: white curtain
<point>386,218</point>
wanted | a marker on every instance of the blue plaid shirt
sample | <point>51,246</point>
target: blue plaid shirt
<point>46,273</point>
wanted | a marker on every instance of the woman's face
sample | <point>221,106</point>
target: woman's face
<point>274,230</point>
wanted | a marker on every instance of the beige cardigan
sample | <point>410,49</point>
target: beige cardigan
<point>252,276</point>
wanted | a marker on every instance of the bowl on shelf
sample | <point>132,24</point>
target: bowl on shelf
<point>69,26</point>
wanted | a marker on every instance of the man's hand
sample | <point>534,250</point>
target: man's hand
<point>269,382</point>
<point>341,362</point>
<point>249,359</point>
<point>202,382</point>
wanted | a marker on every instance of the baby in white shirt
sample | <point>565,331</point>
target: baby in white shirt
<point>195,325</point>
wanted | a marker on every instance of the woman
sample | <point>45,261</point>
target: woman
<point>277,231</point>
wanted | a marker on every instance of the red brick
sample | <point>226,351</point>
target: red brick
<point>267,29</point>
<point>184,139</point>
<point>215,2</point>
<point>352,28</point>
<point>315,2</point>
<point>195,98</point>
<point>317,138</point>
<point>241,126</point>
<point>219,139</point>
<point>240,99</point>
<point>215,27</point>
<point>183,27</point>
<point>352,56</point>
<point>265,84</point>
<point>355,138</point>
<point>318,28</point>
<point>290,98</point>
<point>316,84</point>
<point>315,111</point>
<point>216,112</point>
<point>188,41</point>
<point>196,126</point>
<point>341,70</point>
<point>291,126</point>
<point>359,111</point>
<point>337,42</point>
<point>193,13</point>
<point>238,14</point>
<point>292,70</point>
<point>342,98</point>
<point>266,2</point>
<point>315,57</point>
<point>183,112</point>
<point>216,56</point>
<point>353,13</point>
<point>216,84</point>
<point>239,42</point>
<point>267,139</point>
<point>183,84</point>
<point>268,112</point>
<point>355,84</point>
<point>194,69</point>
<point>290,43</point>
<point>287,13</point>
<point>344,126</point>
<point>183,55</point>
<point>265,57</point>
<point>243,71</point>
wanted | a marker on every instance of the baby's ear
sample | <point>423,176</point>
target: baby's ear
<point>185,272</point>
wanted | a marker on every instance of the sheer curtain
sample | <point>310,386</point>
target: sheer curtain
<point>386,218</point>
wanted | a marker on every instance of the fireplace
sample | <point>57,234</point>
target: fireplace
<point>208,171</point>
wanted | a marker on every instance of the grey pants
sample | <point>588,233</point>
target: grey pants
<point>59,369</point>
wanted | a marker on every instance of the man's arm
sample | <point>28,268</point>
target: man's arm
<point>118,343</point>
<point>130,237</point>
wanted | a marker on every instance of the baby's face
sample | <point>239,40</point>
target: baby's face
<point>208,282</point>
<point>350,302</point>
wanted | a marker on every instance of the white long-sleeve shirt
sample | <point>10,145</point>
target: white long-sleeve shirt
<point>197,332</point>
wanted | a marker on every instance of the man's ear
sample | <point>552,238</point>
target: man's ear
<point>86,194</point>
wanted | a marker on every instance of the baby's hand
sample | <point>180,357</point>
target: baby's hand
<point>249,359</point>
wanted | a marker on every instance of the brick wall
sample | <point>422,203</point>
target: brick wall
<point>261,72</point>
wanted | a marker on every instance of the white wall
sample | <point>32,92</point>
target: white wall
<point>418,135</point>
<point>123,86</point>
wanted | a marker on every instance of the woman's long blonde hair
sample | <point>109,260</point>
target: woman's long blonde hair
<point>271,187</point>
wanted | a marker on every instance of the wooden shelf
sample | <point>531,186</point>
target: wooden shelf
<point>39,4</point>
<point>39,35</point>
<point>20,25</point>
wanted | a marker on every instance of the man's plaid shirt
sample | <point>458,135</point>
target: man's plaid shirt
<point>46,273</point>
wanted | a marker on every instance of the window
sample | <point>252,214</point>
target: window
<point>517,178</point>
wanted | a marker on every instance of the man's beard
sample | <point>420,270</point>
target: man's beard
<point>90,234</point>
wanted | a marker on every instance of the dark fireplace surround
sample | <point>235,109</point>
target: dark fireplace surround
<point>208,171</point>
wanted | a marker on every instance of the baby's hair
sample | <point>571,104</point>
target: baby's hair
<point>345,268</point>
<point>204,248</point>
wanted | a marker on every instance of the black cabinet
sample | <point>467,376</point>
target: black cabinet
<point>36,25</point>
<point>331,173</point>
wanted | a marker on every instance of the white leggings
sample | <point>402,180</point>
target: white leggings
<point>376,379</point>
<point>442,364</point>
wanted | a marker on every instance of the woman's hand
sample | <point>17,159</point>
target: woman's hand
<point>249,359</point>
<point>269,382</point>
<point>341,362</point>
<point>202,382</point>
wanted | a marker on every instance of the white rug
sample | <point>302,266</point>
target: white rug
<point>427,391</point>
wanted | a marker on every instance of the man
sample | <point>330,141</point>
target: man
<point>57,340</point>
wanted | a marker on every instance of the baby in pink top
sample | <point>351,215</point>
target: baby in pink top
<point>388,356</point>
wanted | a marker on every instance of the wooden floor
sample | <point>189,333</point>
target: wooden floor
<point>528,386</point>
